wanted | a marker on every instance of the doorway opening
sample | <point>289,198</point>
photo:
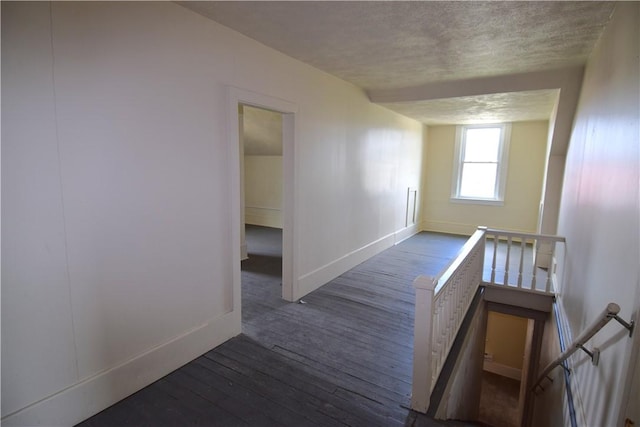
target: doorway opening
<point>507,361</point>
<point>284,111</point>
<point>261,176</point>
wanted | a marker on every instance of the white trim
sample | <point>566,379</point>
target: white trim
<point>457,154</point>
<point>411,216</point>
<point>502,370</point>
<point>468,201</point>
<point>502,165</point>
<point>290,291</point>
<point>266,217</point>
<point>82,400</point>
<point>449,227</point>
<point>320,276</point>
<point>407,232</point>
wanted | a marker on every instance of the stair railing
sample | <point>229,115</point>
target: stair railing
<point>442,301</point>
<point>525,273</point>
<point>441,305</point>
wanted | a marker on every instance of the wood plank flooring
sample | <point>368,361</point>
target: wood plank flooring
<point>340,357</point>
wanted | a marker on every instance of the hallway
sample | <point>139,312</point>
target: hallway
<point>340,357</point>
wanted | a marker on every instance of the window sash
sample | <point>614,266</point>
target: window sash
<point>476,148</point>
<point>468,184</point>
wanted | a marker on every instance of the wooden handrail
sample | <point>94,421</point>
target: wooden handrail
<point>532,236</point>
<point>608,314</point>
<point>463,253</point>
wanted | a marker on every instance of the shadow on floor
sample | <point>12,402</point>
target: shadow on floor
<point>263,264</point>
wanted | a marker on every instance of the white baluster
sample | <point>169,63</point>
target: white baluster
<point>442,315</point>
<point>535,262</point>
<point>506,263</point>
<point>522,246</point>
<point>451,327</point>
<point>495,254</point>
<point>547,286</point>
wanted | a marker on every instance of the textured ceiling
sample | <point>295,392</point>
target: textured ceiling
<point>397,44</point>
<point>493,108</point>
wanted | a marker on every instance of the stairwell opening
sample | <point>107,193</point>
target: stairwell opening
<point>488,374</point>
<point>507,356</point>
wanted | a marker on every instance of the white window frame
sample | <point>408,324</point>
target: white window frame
<point>501,173</point>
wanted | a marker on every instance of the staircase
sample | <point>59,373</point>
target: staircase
<point>495,268</point>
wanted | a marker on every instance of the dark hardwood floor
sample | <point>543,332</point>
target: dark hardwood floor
<point>340,357</point>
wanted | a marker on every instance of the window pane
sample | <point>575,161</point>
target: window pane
<point>481,145</point>
<point>478,180</point>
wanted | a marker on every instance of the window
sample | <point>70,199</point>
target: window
<point>480,165</point>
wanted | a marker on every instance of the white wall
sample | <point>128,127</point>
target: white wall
<point>508,353</point>
<point>117,263</point>
<point>263,168</point>
<point>263,190</point>
<point>36,309</point>
<point>599,216</point>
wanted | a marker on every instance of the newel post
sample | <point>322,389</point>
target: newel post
<point>422,343</point>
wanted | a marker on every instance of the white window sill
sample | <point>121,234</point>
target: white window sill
<point>468,201</point>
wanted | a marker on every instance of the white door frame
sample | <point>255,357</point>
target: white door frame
<point>289,243</point>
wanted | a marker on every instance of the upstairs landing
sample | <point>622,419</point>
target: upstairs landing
<point>341,358</point>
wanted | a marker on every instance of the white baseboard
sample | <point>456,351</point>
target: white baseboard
<point>503,370</point>
<point>463,229</point>
<point>405,233</point>
<point>449,227</point>
<point>313,280</point>
<point>82,400</point>
<point>263,216</point>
